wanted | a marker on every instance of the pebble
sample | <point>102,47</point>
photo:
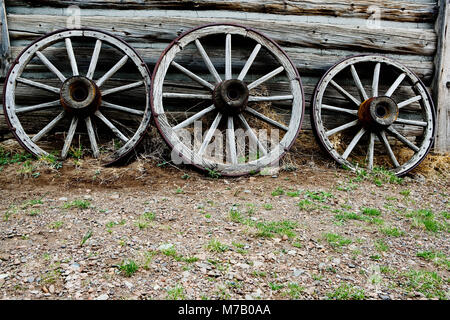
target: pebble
<point>384,296</point>
<point>298,272</point>
<point>102,297</point>
<point>128,284</point>
<point>63,199</point>
<point>165,246</point>
<point>4,276</point>
<point>51,289</point>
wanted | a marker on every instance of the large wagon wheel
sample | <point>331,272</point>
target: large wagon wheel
<point>237,90</point>
<point>370,111</point>
<point>71,79</point>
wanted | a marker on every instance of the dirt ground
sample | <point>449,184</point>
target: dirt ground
<point>152,231</point>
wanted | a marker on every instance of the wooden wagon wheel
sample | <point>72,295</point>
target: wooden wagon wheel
<point>71,77</point>
<point>234,86</point>
<point>370,111</point>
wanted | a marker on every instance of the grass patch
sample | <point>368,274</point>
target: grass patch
<point>347,292</point>
<point>336,240</point>
<point>176,293</point>
<point>430,284</point>
<point>80,204</point>
<point>277,192</point>
<point>128,267</point>
<point>425,219</point>
<point>439,258</point>
<point>392,231</point>
<point>215,245</point>
<point>272,228</point>
<point>294,291</point>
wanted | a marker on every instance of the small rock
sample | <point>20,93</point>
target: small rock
<point>384,296</point>
<point>298,272</point>
<point>336,261</point>
<point>102,297</point>
<point>352,266</point>
<point>51,289</point>
<point>156,287</point>
<point>30,279</point>
<point>285,238</point>
<point>63,199</point>
<point>129,285</point>
<point>292,252</point>
<point>44,289</point>
<point>165,246</point>
<point>4,276</point>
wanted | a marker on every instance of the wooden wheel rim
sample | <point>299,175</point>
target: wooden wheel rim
<point>418,87</point>
<point>28,53</point>
<point>170,135</point>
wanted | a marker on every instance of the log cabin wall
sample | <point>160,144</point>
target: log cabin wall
<point>315,33</point>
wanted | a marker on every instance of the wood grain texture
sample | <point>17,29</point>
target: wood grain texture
<point>441,81</point>
<point>391,9</point>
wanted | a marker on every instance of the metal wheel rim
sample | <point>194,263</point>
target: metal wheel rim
<point>419,88</point>
<point>170,136</point>
<point>50,39</point>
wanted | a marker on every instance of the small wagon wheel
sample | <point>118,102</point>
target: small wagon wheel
<point>90,84</point>
<point>238,91</point>
<point>371,111</point>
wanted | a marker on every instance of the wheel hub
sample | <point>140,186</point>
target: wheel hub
<point>231,96</point>
<point>80,95</point>
<point>378,112</point>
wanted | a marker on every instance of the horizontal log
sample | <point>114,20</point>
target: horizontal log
<point>390,9</point>
<point>288,34</point>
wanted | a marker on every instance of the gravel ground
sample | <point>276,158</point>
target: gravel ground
<point>150,232</point>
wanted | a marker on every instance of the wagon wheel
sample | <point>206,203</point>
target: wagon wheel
<point>235,86</point>
<point>93,87</point>
<point>370,111</point>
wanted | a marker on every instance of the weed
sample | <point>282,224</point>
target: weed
<point>56,225</point>
<point>425,219</point>
<point>307,205</point>
<point>281,228</point>
<point>216,246</point>
<point>277,192</point>
<point>347,292</point>
<point>439,258</point>
<point>80,204</point>
<point>86,237</point>
<point>392,231</point>
<point>275,286</point>
<point>336,240</point>
<point>320,196</point>
<point>185,176</point>
<point>129,267</point>
<point>268,206</point>
<point>293,194</point>
<point>381,246</point>
<point>371,212</point>
<point>236,216</point>
<point>213,173</point>
<point>295,291</point>
<point>426,282</point>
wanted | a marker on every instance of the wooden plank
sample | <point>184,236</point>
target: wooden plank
<point>312,35</point>
<point>5,48</point>
<point>441,81</point>
<point>390,9</point>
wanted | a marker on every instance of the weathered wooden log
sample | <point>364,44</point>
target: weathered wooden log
<point>389,9</point>
<point>288,34</point>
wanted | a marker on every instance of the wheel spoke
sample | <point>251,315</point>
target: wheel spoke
<point>92,139</point>
<point>273,98</point>
<point>362,91</point>
<point>50,66</point>
<point>228,71</point>
<point>266,119</point>
<point>341,128</point>
<point>389,149</point>
<point>371,150</point>
<point>345,93</point>
<point>353,143</point>
<point>187,96</point>
<point>111,72</point>
<point>252,134</point>
<point>71,54</point>
<point>38,107</point>
<point>94,60</point>
<point>210,134</point>
<point>207,61</point>
<point>69,138</point>
<point>376,79</point>
<point>409,101</point>
<point>111,126</point>
<point>403,139</point>
<point>193,118</point>
<point>249,62</point>
<point>263,79</point>
<point>411,122</point>
<point>123,88</point>
<point>121,108</point>
<point>193,76</point>
<point>48,127</point>
<point>38,85</point>
<point>231,140</point>
<point>395,85</point>
<point>337,109</point>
